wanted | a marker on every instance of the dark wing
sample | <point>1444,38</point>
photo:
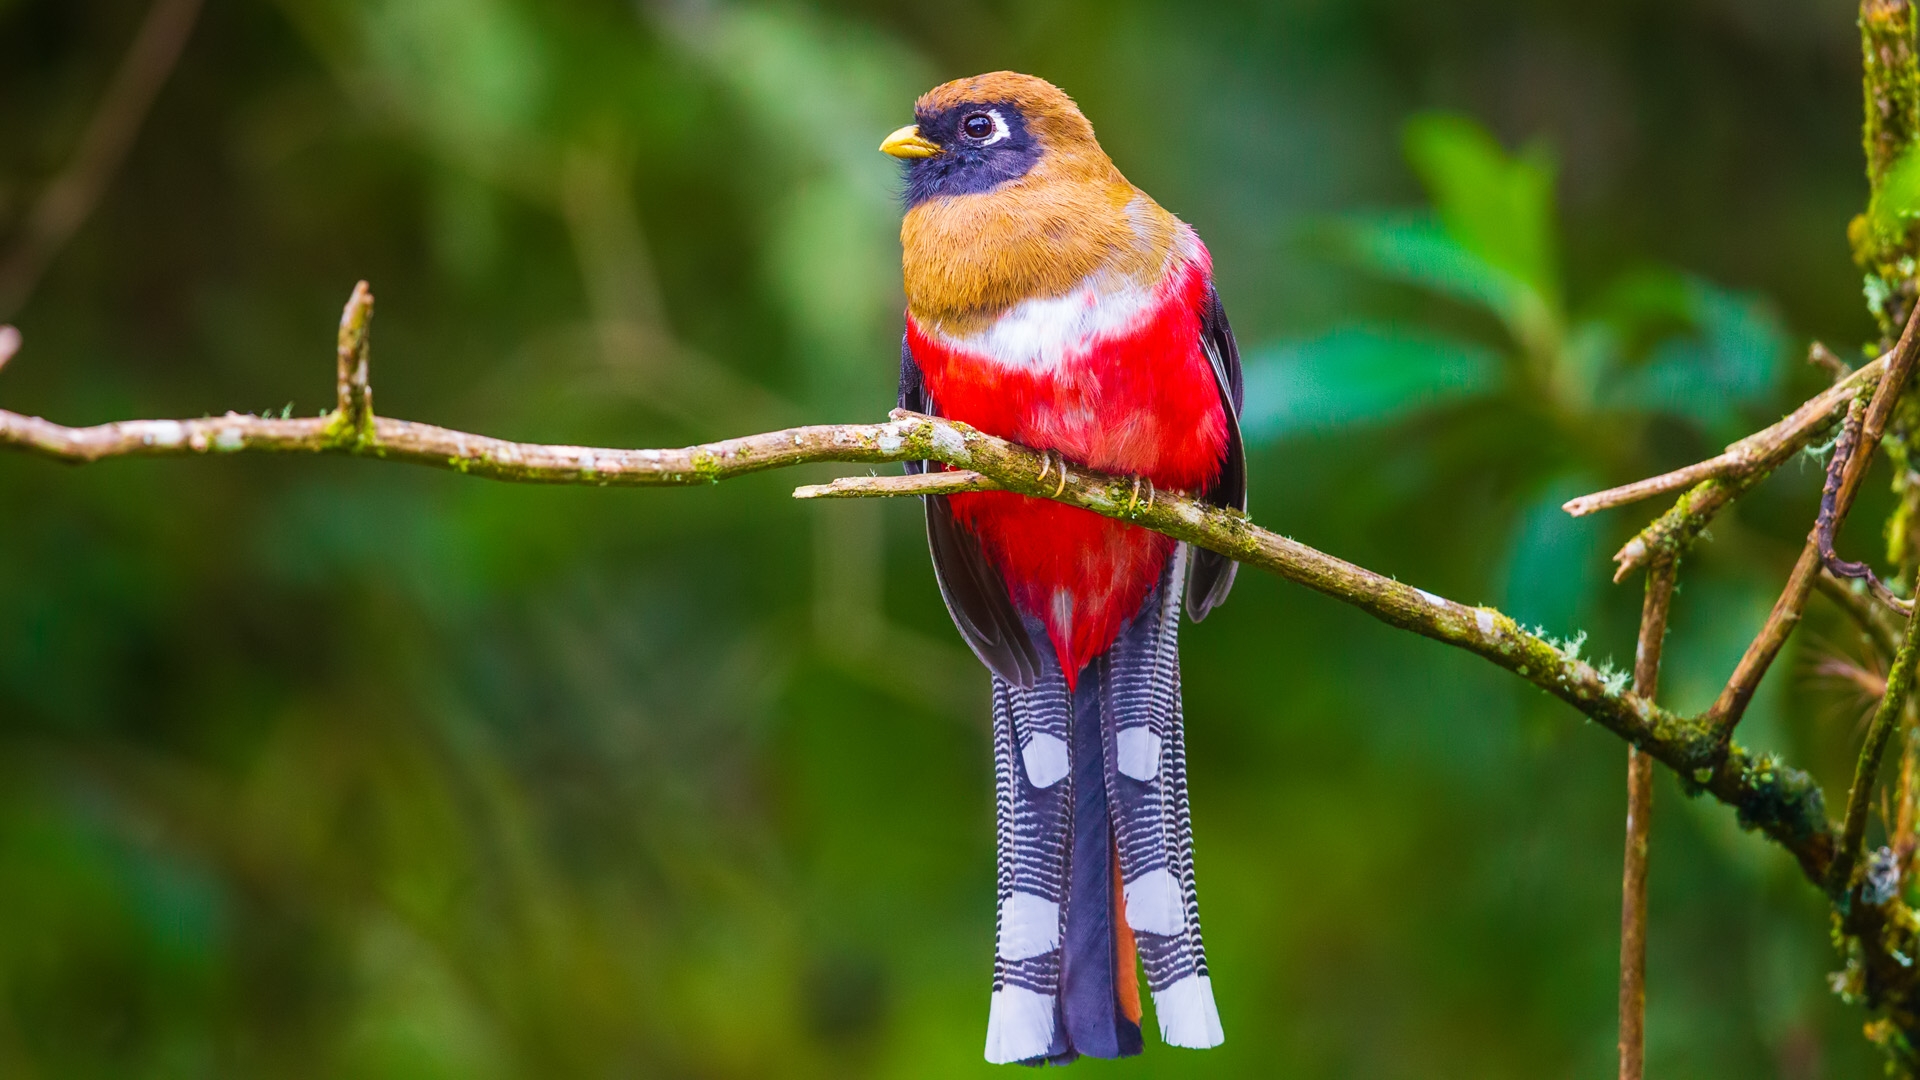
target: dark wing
<point>975,595</point>
<point>1212,576</point>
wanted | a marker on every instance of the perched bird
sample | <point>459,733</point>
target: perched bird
<point>1052,303</point>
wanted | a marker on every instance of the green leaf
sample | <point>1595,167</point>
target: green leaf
<point>1727,363</point>
<point>1644,298</point>
<point>1419,251</point>
<point>1362,374</point>
<point>1637,309</point>
<point>1497,206</point>
<point>1547,582</point>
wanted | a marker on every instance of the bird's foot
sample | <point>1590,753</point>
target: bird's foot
<point>1134,499</point>
<point>1049,461</point>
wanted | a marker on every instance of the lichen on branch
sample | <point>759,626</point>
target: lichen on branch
<point>1884,241</point>
<point>1781,802</point>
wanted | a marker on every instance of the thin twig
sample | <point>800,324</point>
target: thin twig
<point>475,455</point>
<point>1867,769</point>
<point>71,197</point>
<point>1886,395</point>
<point>1732,703</point>
<point>1757,454</point>
<point>1824,358</point>
<point>1680,526</point>
<point>1870,616</point>
<point>353,392</point>
<point>948,482</point>
<point>1633,886</point>
<point>9,344</point>
<point>1766,645</point>
<point>1826,528</point>
<point>1784,803</point>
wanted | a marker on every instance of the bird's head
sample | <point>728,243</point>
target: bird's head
<point>1009,197</point>
<point>976,135</point>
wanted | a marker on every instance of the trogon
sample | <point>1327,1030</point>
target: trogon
<point>1052,303</point>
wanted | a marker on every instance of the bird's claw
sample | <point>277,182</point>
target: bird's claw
<point>1134,499</point>
<point>1046,468</point>
<point>1048,459</point>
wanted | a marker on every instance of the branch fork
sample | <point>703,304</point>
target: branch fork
<point>1782,802</point>
<point>1882,933</point>
<point>352,418</point>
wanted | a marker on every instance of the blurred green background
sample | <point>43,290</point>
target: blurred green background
<point>327,768</point>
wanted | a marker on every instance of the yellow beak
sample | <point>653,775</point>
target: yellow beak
<point>907,143</point>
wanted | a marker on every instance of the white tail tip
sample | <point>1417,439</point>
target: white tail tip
<point>1153,904</point>
<point>1187,1014</point>
<point>1019,1025</point>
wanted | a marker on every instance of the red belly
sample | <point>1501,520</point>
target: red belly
<point>1145,403</point>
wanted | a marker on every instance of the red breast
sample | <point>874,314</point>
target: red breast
<point>1060,308</point>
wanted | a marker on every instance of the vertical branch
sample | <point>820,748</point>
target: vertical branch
<point>1885,718</point>
<point>1903,536</point>
<point>353,414</point>
<point>1883,247</point>
<point>1902,840</point>
<point>1633,889</point>
<point>1890,82</point>
<point>1826,527</point>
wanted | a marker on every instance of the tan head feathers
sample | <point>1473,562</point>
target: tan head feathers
<point>1052,114</point>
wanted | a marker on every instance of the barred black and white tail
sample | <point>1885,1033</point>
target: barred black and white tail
<point>1083,777</point>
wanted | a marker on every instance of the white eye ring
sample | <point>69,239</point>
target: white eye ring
<point>1000,129</point>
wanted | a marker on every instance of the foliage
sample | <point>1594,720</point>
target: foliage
<point>315,769</point>
<point>1654,343</point>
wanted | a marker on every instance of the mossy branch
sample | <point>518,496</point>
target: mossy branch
<point>1633,877</point>
<point>1748,459</point>
<point>1885,718</point>
<point>1848,470</point>
<point>353,410</point>
<point>1877,928</point>
<point>1884,246</point>
<point>1784,803</point>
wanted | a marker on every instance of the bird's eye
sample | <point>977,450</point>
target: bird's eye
<point>978,126</point>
